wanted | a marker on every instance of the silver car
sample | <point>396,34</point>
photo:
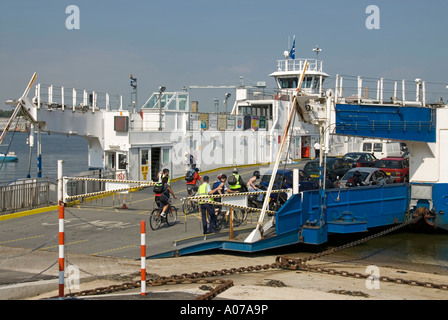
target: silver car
<point>369,175</point>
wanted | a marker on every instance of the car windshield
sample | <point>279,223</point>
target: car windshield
<point>267,178</point>
<point>390,164</point>
<point>349,174</point>
<point>312,166</point>
<point>352,156</point>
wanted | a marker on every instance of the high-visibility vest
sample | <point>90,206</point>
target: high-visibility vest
<point>203,190</point>
<point>237,185</point>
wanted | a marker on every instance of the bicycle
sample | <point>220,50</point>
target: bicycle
<point>156,219</point>
<point>222,218</point>
<point>190,206</point>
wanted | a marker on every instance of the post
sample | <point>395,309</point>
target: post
<point>403,89</point>
<point>61,249</point>
<point>61,230</point>
<point>231,223</point>
<point>359,89</point>
<point>295,185</point>
<point>143,257</point>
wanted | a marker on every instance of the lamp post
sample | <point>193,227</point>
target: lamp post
<point>161,90</point>
<point>227,96</point>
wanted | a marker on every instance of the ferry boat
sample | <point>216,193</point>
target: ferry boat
<point>300,111</point>
<point>169,126</point>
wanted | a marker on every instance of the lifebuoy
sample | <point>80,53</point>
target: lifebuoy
<point>120,176</point>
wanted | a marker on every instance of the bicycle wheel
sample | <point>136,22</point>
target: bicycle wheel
<point>186,208</point>
<point>155,220</point>
<point>189,206</point>
<point>220,220</point>
<point>238,216</point>
<point>171,215</point>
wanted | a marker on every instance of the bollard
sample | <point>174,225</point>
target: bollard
<point>61,249</point>
<point>143,257</point>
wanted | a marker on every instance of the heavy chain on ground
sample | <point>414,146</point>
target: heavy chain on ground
<point>281,262</point>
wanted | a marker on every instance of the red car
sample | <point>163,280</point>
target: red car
<point>395,167</point>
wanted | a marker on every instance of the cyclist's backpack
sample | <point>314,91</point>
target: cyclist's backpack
<point>216,185</point>
<point>232,180</point>
<point>190,175</point>
<point>158,188</point>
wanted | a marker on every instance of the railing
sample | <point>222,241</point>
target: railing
<point>25,195</point>
<point>29,194</point>
<point>351,89</point>
<point>299,64</point>
<point>55,97</point>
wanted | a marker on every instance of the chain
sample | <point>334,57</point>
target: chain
<point>300,263</point>
<point>282,262</point>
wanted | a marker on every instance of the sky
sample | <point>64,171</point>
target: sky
<point>177,43</point>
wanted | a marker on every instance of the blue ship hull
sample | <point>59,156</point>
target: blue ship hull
<point>311,216</point>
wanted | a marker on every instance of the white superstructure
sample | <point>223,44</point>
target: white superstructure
<point>169,127</point>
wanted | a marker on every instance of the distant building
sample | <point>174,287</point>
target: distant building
<point>20,126</point>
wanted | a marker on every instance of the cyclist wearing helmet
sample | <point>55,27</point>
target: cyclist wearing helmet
<point>251,187</point>
<point>236,182</point>
<point>191,185</point>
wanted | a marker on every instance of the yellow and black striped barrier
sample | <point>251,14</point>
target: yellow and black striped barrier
<point>202,197</point>
<point>236,194</point>
<point>141,184</point>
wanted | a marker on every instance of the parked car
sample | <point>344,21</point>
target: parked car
<point>369,175</point>
<point>306,183</point>
<point>336,168</point>
<point>285,175</point>
<point>396,168</point>
<point>360,159</point>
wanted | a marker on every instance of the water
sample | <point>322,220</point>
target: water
<point>72,149</point>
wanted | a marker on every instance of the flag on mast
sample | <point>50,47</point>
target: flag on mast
<point>292,52</point>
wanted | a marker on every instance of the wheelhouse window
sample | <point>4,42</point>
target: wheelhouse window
<point>288,83</point>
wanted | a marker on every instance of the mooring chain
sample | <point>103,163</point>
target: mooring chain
<point>185,278</point>
<point>283,262</point>
<point>300,263</point>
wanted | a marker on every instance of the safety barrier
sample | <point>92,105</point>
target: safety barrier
<point>140,184</point>
<point>203,197</point>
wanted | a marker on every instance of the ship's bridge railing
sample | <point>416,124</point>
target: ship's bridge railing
<point>357,89</point>
<point>297,65</point>
<point>172,101</point>
<point>55,97</point>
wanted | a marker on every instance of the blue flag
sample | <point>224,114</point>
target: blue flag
<point>292,52</point>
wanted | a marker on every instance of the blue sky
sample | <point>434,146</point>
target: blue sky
<point>178,43</point>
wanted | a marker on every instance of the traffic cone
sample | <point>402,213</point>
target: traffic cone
<point>124,203</point>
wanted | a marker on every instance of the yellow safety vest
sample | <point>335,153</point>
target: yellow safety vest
<point>237,185</point>
<point>202,191</point>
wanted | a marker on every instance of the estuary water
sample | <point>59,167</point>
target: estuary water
<point>72,150</point>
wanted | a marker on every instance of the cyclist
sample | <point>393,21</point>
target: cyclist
<point>164,173</point>
<point>191,185</point>
<point>251,187</point>
<point>236,182</point>
<point>205,189</point>
<point>162,195</point>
